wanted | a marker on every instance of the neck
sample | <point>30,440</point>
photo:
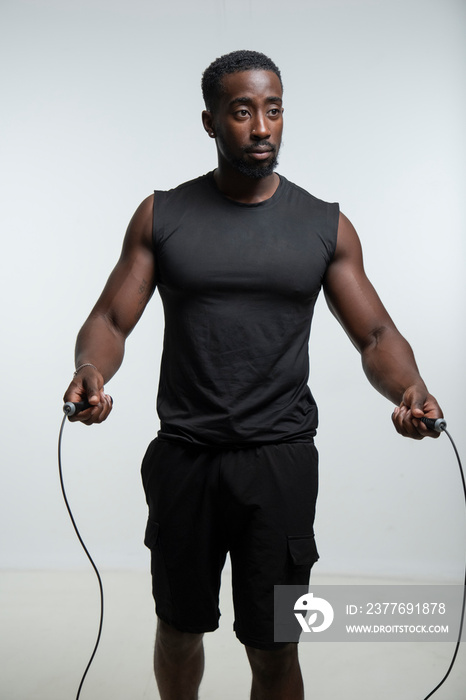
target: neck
<point>246,190</point>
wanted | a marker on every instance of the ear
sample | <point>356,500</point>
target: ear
<point>208,122</point>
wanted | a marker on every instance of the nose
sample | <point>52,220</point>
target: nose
<point>260,129</point>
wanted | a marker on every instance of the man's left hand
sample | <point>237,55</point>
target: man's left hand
<point>416,404</point>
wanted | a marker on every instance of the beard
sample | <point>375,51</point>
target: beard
<point>255,171</point>
<point>258,170</point>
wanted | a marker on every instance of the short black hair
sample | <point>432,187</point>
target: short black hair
<point>233,62</point>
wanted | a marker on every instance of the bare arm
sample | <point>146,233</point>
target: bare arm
<point>101,340</point>
<point>387,357</point>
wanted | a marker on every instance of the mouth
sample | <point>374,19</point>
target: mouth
<point>260,152</point>
<point>260,155</point>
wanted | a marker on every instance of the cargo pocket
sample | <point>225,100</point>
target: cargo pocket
<point>152,533</point>
<point>303,551</point>
<point>160,582</point>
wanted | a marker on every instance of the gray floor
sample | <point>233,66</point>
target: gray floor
<point>48,624</point>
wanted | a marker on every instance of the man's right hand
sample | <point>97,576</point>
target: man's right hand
<point>88,385</point>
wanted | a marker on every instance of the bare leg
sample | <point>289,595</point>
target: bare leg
<point>178,663</point>
<point>276,675</point>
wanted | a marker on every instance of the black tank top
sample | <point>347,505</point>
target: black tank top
<point>238,284</point>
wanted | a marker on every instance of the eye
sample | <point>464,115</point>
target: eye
<point>242,113</point>
<point>275,112</point>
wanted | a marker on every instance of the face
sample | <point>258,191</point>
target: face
<point>248,122</point>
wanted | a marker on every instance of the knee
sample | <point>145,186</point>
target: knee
<point>173,642</point>
<point>274,664</point>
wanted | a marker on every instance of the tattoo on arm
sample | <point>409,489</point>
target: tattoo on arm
<point>144,293</point>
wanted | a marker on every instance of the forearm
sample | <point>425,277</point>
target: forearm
<point>389,364</point>
<point>100,343</point>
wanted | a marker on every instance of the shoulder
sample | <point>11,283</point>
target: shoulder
<point>144,213</point>
<point>139,232</point>
<point>325,215</point>
<point>183,203</point>
<point>185,189</point>
<point>348,243</point>
<point>321,217</point>
<point>306,196</point>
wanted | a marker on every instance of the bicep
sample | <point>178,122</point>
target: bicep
<point>349,293</point>
<point>132,281</point>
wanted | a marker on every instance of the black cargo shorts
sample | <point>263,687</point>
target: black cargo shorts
<point>257,503</point>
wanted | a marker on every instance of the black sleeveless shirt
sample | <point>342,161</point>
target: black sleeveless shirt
<point>238,284</point>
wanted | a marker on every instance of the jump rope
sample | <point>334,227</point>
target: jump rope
<point>71,409</point>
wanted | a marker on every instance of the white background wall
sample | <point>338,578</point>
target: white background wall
<point>101,104</point>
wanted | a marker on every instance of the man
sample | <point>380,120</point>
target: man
<point>239,257</point>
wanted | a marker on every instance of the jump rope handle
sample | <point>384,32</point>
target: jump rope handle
<point>71,409</point>
<point>439,425</point>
